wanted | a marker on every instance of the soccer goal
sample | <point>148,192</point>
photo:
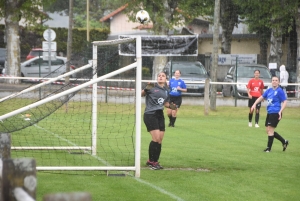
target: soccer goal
<point>82,124</point>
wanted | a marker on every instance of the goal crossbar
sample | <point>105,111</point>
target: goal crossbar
<point>113,42</point>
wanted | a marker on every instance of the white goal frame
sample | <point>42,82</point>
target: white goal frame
<point>93,82</point>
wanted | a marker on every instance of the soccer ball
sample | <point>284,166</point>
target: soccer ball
<point>142,16</point>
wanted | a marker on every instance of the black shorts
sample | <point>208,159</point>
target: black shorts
<point>252,101</point>
<point>155,121</point>
<point>177,100</point>
<point>272,120</point>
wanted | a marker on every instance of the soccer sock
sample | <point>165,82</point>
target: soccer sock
<point>250,117</point>
<point>174,119</point>
<point>270,142</point>
<point>170,119</point>
<point>278,137</point>
<point>256,118</point>
<point>159,151</point>
<point>156,151</point>
<point>152,151</point>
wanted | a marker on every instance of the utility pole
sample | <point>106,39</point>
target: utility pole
<point>215,55</point>
<point>88,20</point>
<point>69,45</point>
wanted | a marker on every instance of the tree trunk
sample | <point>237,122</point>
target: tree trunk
<point>228,19</point>
<point>213,72</point>
<point>12,40</point>
<point>69,46</point>
<point>276,47</point>
<point>263,52</point>
<point>158,65</point>
<point>159,62</point>
<point>264,37</point>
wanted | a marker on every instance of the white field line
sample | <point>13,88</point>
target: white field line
<point>106,163</point>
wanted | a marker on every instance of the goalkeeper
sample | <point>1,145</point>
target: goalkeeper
<point>156,99</point>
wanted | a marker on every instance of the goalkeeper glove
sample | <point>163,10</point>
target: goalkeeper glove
<point>172,106</point>
<point>148,87</point>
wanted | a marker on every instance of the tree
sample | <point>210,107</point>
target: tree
<point>97,9</point>
<point>13,11</point>
<point>165,16</point>
<point>270,20</point>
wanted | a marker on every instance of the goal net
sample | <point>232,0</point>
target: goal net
<point>86,119</point>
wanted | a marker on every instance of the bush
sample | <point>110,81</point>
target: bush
<point>146,72</point>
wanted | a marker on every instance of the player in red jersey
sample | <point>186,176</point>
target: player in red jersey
<point>255,90</point>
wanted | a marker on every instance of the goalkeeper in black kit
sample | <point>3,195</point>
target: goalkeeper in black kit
<point>157,97</point>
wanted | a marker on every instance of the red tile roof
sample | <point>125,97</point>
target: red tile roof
<point>103,19</point>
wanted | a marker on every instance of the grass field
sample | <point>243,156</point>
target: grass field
<point>214,157</point>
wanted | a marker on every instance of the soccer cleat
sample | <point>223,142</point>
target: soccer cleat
<point>256,126</point>
<point>250,124</point>
<point>156,166</point>
<point>149,163</point>
<point>267,150</point>
<point>170,124</point>
<point>285,144</point>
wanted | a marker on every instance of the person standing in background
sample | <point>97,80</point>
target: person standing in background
<point>255,90</point>
<point>284,77</point>
<point>176,86</point>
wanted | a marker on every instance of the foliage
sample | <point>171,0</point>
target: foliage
<point>146,71</point>
<point>30,38</point>
<point>97,9</point>
<point>29,11</point>
<point>262,16</point>
<point>165,15</point>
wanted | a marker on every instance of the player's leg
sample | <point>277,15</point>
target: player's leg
<point>258,105</point>
<point>161,120</point>
<point>174,116</point>
<point>283,141</point>
<point>177,101</point>
<point>250,114</point>
<point>152,125</point>
<point>270,132</point>
<point>169,113</point>
<point>271,123</point>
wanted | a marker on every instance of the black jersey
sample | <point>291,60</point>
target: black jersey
<point>155,99</point>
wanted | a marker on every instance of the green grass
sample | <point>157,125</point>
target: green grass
<point>214,157</point>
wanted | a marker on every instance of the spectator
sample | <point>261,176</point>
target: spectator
<point>284,76</point>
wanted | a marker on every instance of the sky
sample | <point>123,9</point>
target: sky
<point>58,20</point>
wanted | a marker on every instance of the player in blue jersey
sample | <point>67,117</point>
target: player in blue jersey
<point>276,101</point>
<point>176,86</point>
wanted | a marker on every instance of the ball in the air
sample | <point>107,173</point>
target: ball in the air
<point>142,16</point>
